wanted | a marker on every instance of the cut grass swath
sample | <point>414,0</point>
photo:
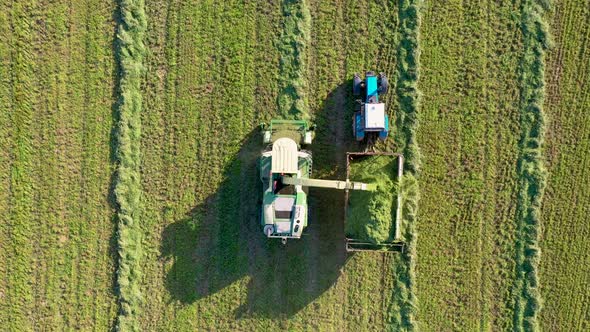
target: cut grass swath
<point>19,279</point>
<point>531,171</point>
<point>292,100</point>
<point>404,307</point>
<point>130,54</point>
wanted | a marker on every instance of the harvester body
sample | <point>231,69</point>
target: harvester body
<point>285,172</point>
<point>370,120</point>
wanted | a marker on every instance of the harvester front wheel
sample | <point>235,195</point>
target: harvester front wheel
<point>268,230</point>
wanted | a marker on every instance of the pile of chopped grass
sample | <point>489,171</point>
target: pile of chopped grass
<point>371,214</point>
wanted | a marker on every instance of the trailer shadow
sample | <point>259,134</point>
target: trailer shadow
<point>220,241</point>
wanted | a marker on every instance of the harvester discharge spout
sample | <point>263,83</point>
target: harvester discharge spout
<point>332,184</point>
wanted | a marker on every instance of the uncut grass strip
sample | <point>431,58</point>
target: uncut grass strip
<point>94,287</point>
<point>130,51</point>
<point>566,105</point>
<point>49,53</point>
<point>532,173</point>
<point>19,280</point>
<point>6,146</point>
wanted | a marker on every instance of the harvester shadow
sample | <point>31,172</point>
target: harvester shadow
<point>220,241</point>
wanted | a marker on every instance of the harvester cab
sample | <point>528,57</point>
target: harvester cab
<point>370,120</point>
<point>285,172</point>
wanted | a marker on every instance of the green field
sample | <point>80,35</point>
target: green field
<point>129,139</point>
<point>56,118</point>
<point>564,271</point>
<point>469,137</point>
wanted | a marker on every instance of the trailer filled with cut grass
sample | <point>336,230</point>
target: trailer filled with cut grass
<point>373,217</point>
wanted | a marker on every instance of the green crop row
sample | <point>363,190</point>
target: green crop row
<point>531,171</point>
<point>130,54</point>
<point>5,155</point>
<point>565,264</point>
<point>407,94</point>
<point>468,135</point>
<point>211,77</point>
<point>56,98</point>
<point>18,227</point>
<point>292,99</point>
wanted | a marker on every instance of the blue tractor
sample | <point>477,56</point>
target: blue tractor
<point>370,120</point>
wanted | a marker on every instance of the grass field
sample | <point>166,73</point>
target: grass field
<point>130,191</point>
<point>56,95</point>
<point>469,137</point>
<point>203,221</point>
<point>565,214</point>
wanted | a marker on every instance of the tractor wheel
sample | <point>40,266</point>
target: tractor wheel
<point>268,229</point>
<point>383,84</point>
<point>356,85</point>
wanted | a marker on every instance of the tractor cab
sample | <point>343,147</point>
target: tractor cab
<point>370,120</point>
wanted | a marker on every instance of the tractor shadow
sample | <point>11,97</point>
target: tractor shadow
<point>220,241</point>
